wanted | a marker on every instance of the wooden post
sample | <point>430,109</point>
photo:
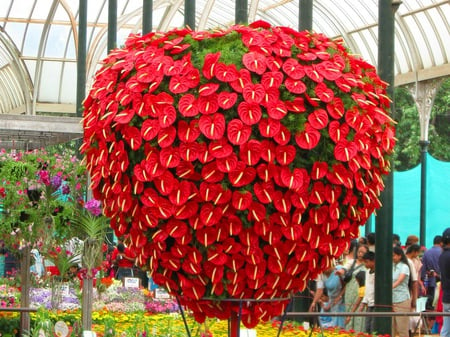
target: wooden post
<point>86,305</point>
<point>25,261</point>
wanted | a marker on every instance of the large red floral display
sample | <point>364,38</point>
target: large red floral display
<point>239,161</point>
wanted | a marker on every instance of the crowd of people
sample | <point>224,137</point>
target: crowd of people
<point>417,275</point>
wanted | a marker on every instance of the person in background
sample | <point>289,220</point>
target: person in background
<point>124,258</point>
<point>401,298</point>
<point>396,240</point>
<point>444,267</point>
<point>411,240</point>
<point>368,300</point>
<point>358,305</point>
<point>371,241</point>
<point>430,270</point>
<point>332,282</point>
<point>412,253</point>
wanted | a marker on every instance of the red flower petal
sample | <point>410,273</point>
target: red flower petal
<point>212,126</point>
<point>132,136</point>
<point>329,70</point>
<point>345,150</point>
<point>188,132</point>
<point>211,173</point>
<point>250,152</point>
<point>189,151</point>
<point>150,128</point>
<point>272,79</point>
<point>226,99</point>
<point>226,73</point>
<point>241,200</point>
<point>208,105</point>
<point>337,131</point>
<point>254,62</point>
<point>238,132</point>
<point>308,138</point>
<point>285,154</point>
<point>220,148</point>
<point>167,117</point>
<point>167,136</point>
<point>228,163</point>
<point>253,93</point>
<point>242,175</point>
<point>269,127</point>
<point>187,105</point>
<point>293,69</point>
<point>313,74</point>
<point>169,157</point>
<point>209,64</point>
<point>244,79</point>
<point>283,136</point>
<point>250,113</point>
<point>208,89</point>
<point>324,93</point>
<point>318,119</point>
<point>295,86</point>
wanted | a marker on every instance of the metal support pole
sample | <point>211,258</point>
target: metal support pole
<point>423,191</point>
<point>81,56</point>
<point>189,14</point>
<point>305,15</point>
<point>241,14</point>
<point>112,24</point>
<point>384,220</point>
<point>147,16</point>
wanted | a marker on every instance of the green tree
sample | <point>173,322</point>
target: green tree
<point>407,150</point>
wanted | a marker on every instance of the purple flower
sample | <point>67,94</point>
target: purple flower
<point>93,206</point>
<point>65,189</point>
<point>56,181</point>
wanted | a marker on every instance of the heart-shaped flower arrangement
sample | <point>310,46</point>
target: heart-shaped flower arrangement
<point>239,161</point>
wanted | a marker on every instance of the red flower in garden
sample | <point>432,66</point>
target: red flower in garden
<point>243,171</point>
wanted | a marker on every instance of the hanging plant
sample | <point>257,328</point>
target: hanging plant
<point>240,161</point>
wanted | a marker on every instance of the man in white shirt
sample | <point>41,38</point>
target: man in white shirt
<point>369,292</point>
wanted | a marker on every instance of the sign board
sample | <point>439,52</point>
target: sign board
<point>89,334</point>
<point>65,290</point>
<point>161,294</point>
<point>247,332</point>
<point>131,282</point>
<point>61,329</point>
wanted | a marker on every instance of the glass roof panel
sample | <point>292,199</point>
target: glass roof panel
<point>67,83</point>
<point>50,81</point>
<point>57,40</point>
<point>32,39</point>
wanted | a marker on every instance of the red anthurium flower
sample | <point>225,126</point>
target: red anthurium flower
<point>150,128</point>
<point>336,108</point>
<point>269,127</point>
<point>313,74</point>
<point>178,84</point>
<point>166,136</point>
<point>186,210</point>
<point>254,62</point>
<point>188,151</point>
<point>204,155</point>
<point>185,170</point>
<point>293,180</point>
<point>208,105</point>
<point>296,106</point>
<point>250,152</point>
<point>188,105</point>
<point>308,138</point>
<point>188,132</point>
<point>220,148</point>
<point>132,136</point>
<point>243,80</point>
<point>166,183</point>
<point>318,119</point>
<point>242,175</point>
<point>228,163</point>
<point>337,131</point>
<point>226,99</point>
<point>208,89</point>
<point>212,126</point>
<point>265,192</point>
<point>293,69</point>
<point>253,93</point>
<point>282,202</point>
<point>209,65</point>
<point>318,193</point>
<point>250,113</point>
<point>180,195</point>
<point>167,117</point>
<point>345,150</point>
<point>295,86</point>
<point>169,157</point>
<point>319,170</point>
<point>283,136</point>
<point>211,173</point>
<point>226,73</point>
<point>285,154</point>
<point>324,93</point>
<point>329,70</point>
<point>237,132</point>
<point>206,235</point>
<point>272,79</point>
